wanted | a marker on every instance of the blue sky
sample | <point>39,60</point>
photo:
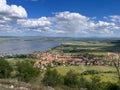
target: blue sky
<point>72,18</point>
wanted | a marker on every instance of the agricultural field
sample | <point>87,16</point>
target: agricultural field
<point>3,39</point>
<point>94,47</point>
<point>107,73</point>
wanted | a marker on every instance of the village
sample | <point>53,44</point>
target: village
<point>46,59</point>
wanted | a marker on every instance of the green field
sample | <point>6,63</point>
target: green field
<point>107,73</point>
<point>6,39</point>
<point>93,47</point>
<point>3,39</point>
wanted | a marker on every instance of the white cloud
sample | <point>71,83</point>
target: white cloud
<point>115,18</point>
<point>71,23</point>
<point>11,11</point>
<point>35,23</point>
<point>9,14</point>
<point>75,24</point>
<point>2,2</point>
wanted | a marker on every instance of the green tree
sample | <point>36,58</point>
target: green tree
<point>71,79</point>
<point>26,71</point>
<point>95,83</point>
<point>83,83</point>
<point>112,86</point>
<point>117,66</point>
<point>52,78</point>
<point>5,69</point>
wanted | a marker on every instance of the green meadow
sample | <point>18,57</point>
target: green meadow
<point>107,73</point>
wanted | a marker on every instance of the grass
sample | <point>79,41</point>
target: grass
<point>107,73</point>
<point>85,43</point>
<point>79,69</point>
<point>98,48</point>
<point>2,39</point>
<point>13,61</point>
<point>5,39</point>
<point>104,77</point>
<point>94,47</point>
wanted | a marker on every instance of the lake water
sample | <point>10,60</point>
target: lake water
<point>26,47</point>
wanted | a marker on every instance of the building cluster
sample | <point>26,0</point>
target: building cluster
<point>55,59</point>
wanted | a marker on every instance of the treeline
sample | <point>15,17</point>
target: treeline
<point>22,70</point>
<point>18,56</point>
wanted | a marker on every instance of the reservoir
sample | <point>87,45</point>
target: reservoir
<point>26,47</point>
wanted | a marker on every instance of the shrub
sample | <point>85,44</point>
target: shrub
<point>83,83</point>
<point>26,72</point>
<point>95,83</point>
<point>112,86</point>
<point>5,69</point>
<point>88,72</point>
<point>71,79</point>
<point>52,78</point>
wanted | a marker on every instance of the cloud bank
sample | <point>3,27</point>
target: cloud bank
<point>13,19</point>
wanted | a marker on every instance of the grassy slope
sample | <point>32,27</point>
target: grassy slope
<point>91,47</point>
<point>2,39</point>
<point>79,69</point>
<point>6,39</point>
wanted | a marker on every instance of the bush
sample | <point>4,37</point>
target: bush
<point>5,69</point>
<point>88,72</point>
<point>52,78</point>
<point>71,79</point>
<point>26,72</point>
<point>112,86</point>
<point>95,83</point>
<point>83,83</point>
